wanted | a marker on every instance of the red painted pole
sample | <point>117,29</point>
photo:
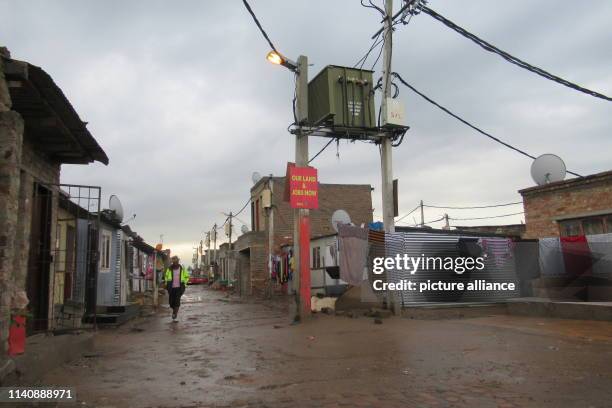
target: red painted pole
<point>305,265</point>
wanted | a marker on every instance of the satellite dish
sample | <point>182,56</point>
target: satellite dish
<point>244,229</point>
<point>340,217</point>
<point>115,206</point>
<point>256,177</point>
<point>547,168</point>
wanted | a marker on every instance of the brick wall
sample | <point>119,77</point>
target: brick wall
<point>571,198</point>
<point>356,199</point>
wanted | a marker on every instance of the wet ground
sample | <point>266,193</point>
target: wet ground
<point>224,352</point>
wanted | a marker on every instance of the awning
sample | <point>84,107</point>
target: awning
<point>51,123</point>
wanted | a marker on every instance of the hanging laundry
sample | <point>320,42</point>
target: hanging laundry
<point>499,248</point>
<point>551,257</point>
<point>331,255</point>
<point>576,255</point>
<point>601,252</point>
<point>353,252</point>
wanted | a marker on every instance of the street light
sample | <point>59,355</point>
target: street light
<point>301,230</point>
<point>277,58</point>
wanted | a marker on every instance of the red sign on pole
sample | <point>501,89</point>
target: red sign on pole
<point>303,187</point>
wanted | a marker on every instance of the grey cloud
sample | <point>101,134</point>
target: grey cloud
<point>180,96</point>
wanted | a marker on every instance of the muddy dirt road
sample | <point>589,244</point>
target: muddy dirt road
<point>224,352</point>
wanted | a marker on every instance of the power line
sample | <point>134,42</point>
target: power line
<point>411,211</point>
<point>363,59</point>
<point>465,122</point>
<point>321,151</point>
<point>431,222</point>
<point>243,207</point>
<point>377,41</point>
<point>426,223</point>
<point>486,218</point>
<point>471,207</point>
<point>510,58</point>
<point>373,6</point>
<point>250,10</point>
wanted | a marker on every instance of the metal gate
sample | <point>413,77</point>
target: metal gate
<point>75,257</point>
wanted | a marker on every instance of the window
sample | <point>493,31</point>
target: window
<point>316,258</point>
<point>569,228</point>
<point>608,220</point>
<point>586,226</point>
<point>253,216</point>
<point>592,226</point>
<point>105,250</point>
<point>256,215</point>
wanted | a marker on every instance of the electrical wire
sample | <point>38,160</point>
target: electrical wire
<point>377,41</point>
<point>472,207</point>
<point>243,207</point>
<point>373,6</point>
<point>412,7</point>
<point>431,222</point>
<point>486,218</point>
<point>263,32</point>
<point>426,223</point>
<point>465,122</point>
<point>411,211</point>
<point>510,58</point>
<point>363,59</point>
<point>321,151</point>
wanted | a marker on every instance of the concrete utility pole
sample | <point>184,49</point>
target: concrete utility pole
<point>386,157</point>
<point>386,151</point>
<point>301,230</point>
<point>208,249</point>
<point>229,253</point>
<point>155,293</point>
<point>270,233</point>
<point>214,232</point>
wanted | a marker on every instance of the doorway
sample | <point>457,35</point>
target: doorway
<point>39,259</point>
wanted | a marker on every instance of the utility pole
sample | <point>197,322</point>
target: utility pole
<point>301,230</point>
<point>270,234</point>
<point>214,232</point>
<point>386,157</point>
<point>422,215</point>
<point>155,293</point>
<point>207,249</point>
<point>386,151</point>
<point>229,249</point>
<point>446,223</point>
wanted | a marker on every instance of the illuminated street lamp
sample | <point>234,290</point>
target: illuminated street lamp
<point>279,59</point>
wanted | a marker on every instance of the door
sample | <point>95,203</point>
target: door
<point>39,261</point>
<point>91,274</point>
<point>70,262</point>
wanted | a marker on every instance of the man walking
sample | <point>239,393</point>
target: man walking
<point>175,279</point>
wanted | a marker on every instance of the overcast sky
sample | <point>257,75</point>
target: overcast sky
<point>182,100</point>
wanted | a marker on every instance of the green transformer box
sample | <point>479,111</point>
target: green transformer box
<point>342,97</point>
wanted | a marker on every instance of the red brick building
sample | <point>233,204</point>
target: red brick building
<point>579,206</point>
<point>252,248</point>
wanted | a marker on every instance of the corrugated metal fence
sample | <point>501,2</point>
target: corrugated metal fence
<point>498,268</point>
